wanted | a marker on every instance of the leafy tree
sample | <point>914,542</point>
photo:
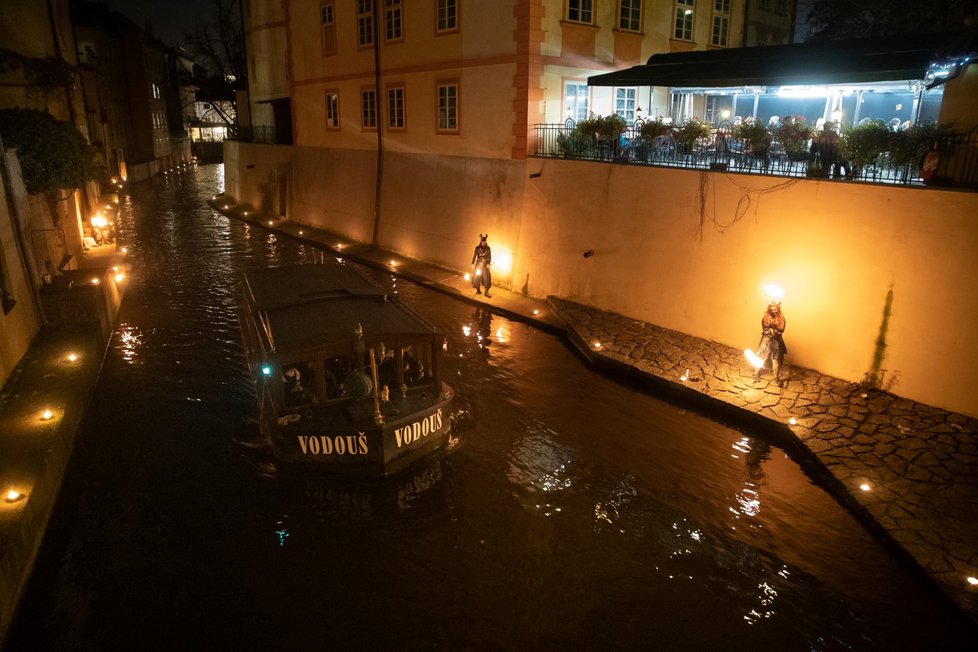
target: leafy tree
<point>842,19</point>
<point>53,154</point>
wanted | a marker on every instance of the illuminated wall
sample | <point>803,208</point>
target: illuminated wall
<point>960,105</point>
<point>685,250</point>
<point>19,324</point>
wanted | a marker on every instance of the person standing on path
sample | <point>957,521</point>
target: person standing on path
<point>771,347</point>
<point>481,259</point>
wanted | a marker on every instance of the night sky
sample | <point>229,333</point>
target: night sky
<point>169,17</point>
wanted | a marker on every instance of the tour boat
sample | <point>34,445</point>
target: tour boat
<point>347,376</point>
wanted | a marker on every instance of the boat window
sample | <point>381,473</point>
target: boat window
<point>299,384</point>
<point>337,368</point>
<point>359,383</point>
<point>416,360</point>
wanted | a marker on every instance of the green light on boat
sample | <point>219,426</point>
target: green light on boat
<point>266,370</point>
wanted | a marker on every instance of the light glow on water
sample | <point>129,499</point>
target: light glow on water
<point>130,342</point>
<point>613,508</point>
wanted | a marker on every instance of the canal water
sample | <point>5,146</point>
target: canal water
<point>576,512</point>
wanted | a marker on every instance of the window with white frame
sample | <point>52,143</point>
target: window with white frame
<point>332,109</point>
<point>392,20</point>
<point>395,107</point>
<point>446,16</point>
<point>327,19</point>
<point>626,99</point>
<point>715,107</point>
<point>365,22</point>
<point>684,20</point>
<point>721,22</point>
<point>630,15</point>
<point>448,106</point>
<point>580,11</point>
<point>575,100</point>
<point>679,107</point>
<point>368,108</point>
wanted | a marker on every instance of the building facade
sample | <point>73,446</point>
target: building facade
<point>456,77</point>
<point>769,22</point>
<point>415,135</point>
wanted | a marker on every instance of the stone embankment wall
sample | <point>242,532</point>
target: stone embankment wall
<point>878,280</point>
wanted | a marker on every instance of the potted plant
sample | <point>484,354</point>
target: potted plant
<point>754,135</point>
<point>610,127</point>
<point>653,129</point>
<point>593,132</point>
<point>862,144</point>
<point>794,133</point>
<point>691,131</point>
<point>576,144</point>
<point>909,146</point>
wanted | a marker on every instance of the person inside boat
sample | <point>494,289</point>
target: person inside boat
<point>414,371</point>
<point>336,368</point>
<point>387,367</point>
<point>298,392</point>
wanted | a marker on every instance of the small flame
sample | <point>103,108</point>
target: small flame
<point>774,291</point>
<point>752,358</point>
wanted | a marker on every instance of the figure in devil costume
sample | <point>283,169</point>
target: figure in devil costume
<point>771,347</point>
<point>481,259</point>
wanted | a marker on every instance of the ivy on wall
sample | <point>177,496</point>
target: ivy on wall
<point>53,154</point>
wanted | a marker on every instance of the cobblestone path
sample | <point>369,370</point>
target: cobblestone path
<point>909,471</point>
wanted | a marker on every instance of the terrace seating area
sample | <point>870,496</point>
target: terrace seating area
<point>957,163</point>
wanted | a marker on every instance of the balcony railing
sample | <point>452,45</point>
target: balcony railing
<point>957,160</point>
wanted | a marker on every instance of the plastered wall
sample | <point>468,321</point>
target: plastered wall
<point>876,277</point>
<point>21,323</point>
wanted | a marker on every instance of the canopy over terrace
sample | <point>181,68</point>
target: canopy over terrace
<point>898,77</point>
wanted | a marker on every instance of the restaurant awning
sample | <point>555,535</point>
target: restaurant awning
<point>830,62</point>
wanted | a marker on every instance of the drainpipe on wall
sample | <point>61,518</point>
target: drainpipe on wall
<point>60,57</point>
<point>19,234</point>
<point>380,127</point>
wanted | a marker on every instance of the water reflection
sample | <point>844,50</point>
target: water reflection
<point>755,452</point>
<point>480,329</point>
<point>537,463</point>
<point>612,508</point>
<point>130,340</point>
<point>577,513</point>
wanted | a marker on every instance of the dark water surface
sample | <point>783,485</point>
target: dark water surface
<point>577,513</point>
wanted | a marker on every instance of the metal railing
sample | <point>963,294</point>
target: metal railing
<point>957,160</point>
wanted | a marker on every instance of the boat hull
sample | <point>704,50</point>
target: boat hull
<point>363,448</point>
